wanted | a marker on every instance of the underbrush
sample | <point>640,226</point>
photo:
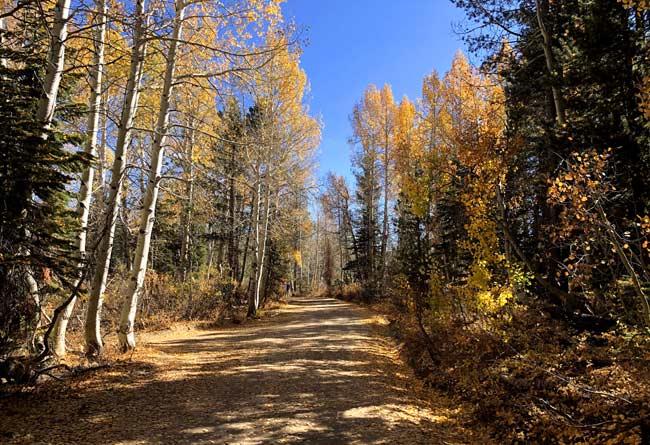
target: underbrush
<point>541,381</point>
<point>166,301</point>
<point>529,377</point>
<point>348,292</point>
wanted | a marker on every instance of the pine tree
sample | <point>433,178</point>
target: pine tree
<point>37,226</point>
<point>367,240</point>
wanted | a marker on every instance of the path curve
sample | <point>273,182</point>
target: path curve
<point>318,372</point>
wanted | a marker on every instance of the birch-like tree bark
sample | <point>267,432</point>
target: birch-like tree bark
<point>261,249</point>
<point>135,284</point>
<point>93,336</point>
<point>86,190</point>
<point>55,63</point>
<point>253,301</point>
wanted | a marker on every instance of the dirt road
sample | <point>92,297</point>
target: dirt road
<point>317,372</point>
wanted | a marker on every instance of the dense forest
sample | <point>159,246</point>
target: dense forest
<point>157,166</point>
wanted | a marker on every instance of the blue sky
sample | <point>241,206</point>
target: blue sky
<point>353,43</point>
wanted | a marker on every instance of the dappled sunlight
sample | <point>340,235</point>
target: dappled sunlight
<point>315,374</point>
<point>393,413</point>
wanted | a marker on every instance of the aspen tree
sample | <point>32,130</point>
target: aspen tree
<point>55,63</point>
<point>86,189</point>
<point>287,136</point>
<point>94,344</point>
<point>126,332</point>
<point>388,109</point>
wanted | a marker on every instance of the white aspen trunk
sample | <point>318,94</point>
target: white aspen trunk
<point>253,301</point>
<point>34,292</point>
<point>126,332</point>
<point>93,336</point>
<point>262,250</point>
<point>55,63</point>
<point>85,193</point>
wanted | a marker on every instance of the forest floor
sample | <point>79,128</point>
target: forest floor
<point>317,371</point>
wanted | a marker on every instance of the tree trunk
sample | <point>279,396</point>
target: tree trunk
<point>86,190</point>
<point>93,316</point>
<point>262,251</point>
<point>126,332</point>
<point>253,301</point>
<point>55,63</point>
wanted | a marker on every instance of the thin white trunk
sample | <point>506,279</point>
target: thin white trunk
<point>55,63</point>
<point>262,249</point>
<point>34,337</point>
<point>126,332</point>
<point>86,190</point>
<point>93,336</point>
<point>253,300</point>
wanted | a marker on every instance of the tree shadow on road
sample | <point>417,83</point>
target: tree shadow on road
<point>316,374</point>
